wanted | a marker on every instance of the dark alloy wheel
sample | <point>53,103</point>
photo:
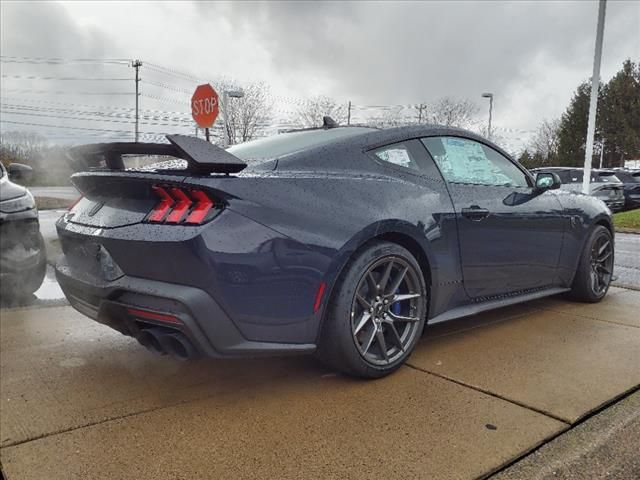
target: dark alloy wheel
<point>595,270</point>
<point>386,310</point>
<point>376,313</point>
<point>601,263</point>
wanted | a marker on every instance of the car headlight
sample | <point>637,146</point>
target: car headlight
<point>20,204</point>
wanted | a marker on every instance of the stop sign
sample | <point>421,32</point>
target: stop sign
<point>204,106</point>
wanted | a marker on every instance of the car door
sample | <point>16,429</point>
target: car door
<point>510,234</point>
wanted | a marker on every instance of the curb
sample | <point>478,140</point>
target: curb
<point>627,230</point>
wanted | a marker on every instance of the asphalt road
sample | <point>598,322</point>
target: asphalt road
<point>627,260</point>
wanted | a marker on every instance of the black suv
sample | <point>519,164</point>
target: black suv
<point>23,258</point>
<point>631,182</point>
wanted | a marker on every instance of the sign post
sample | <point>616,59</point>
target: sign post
<point>205,106</point>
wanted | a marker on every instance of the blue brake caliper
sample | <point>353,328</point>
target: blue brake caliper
<point>396,307</point>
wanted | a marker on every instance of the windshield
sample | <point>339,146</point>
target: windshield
<point>269,148</point>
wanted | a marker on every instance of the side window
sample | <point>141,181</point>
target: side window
<point>466,161</point>
<point>397,154</point>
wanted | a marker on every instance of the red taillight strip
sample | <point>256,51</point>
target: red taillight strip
<point>202,207</point>
<point>181,208</point>
<point>161,317</point>
<point>163,207</point>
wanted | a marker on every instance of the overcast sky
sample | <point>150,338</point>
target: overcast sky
<point>531,55</point>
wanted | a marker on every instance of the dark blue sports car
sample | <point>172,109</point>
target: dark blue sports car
<point>343,241</point>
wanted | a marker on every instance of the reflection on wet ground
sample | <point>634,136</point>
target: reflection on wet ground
<point>48,294</point>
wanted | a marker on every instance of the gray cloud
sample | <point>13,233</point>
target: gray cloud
<point>531,55</point>
<point>407,51</point>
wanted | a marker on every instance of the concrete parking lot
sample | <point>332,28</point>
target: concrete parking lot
<point>81,401</point>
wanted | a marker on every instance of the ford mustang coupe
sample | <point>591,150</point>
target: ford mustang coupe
<point>342,241</point>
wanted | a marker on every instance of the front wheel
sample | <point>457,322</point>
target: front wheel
<point>376,313</point>
<point>595,269</point>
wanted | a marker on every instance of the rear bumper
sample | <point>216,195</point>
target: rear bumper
<point>202,320</point>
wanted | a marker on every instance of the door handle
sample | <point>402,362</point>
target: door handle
<point>475,213</point>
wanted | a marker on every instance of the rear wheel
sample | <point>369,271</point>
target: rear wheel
<point>376,313</point>
<point>595,269</point>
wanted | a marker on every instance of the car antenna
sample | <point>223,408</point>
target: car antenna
<point>328,122</point>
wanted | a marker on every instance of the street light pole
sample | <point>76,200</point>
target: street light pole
<point>490,97</point>
<point>593,104</point>
<point>226,137</point>
<point>137,64</point>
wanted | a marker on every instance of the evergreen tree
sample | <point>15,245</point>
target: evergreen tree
<point>619,116</point>
<point>617,120</point>
<point>572,132</point>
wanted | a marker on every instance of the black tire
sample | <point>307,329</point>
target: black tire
<point>595,268</point>
<point>392,305</point>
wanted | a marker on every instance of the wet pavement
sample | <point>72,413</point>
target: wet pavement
<point>81,401</point>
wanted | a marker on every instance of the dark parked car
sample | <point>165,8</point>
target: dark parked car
<point>631,182</point>
<point>339,241</point>
<point>604,184</point>
<point>23,257</point>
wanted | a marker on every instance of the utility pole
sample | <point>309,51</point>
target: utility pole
<point>420,107</point>
<point>490,97</point>
<point>137,64</point>
<point>349,114</point>
<point>601,150</point>
<point>593,104</point>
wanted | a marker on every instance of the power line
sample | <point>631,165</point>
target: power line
<point>72,128</point>
<point>92,106</point>
<point>146,116</point>
<point>63,61</point>
<point>107,120</point>
<point>60,92</point>
<point>91,79</point>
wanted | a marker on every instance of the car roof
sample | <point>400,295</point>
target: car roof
<point>373,138</point>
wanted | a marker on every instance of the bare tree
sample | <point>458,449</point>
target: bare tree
<point>390,118</point>
<point>545,142</point>
<point>452,112</point>
<point>312,112</point>
<point>248,115</point>
<point>21,146</point>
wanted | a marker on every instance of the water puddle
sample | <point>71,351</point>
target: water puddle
<point>49,293</point>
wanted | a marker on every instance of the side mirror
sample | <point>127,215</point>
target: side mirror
<point>547,181</point>
<point>18,171</point>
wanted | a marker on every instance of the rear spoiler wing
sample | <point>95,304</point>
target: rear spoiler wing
<point>202,157</point>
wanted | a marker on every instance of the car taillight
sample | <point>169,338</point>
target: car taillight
<point>181,208</point>
<point>178,205</point>
<point>163,206</point>
<point>203,205</point>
